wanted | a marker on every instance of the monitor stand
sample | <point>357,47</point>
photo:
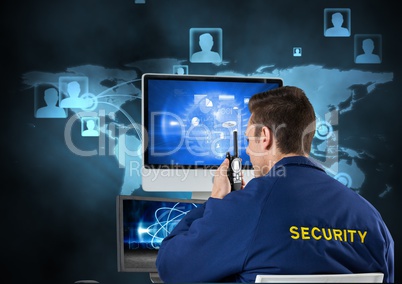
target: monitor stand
<point>154,276</point>
<point>203,195</point>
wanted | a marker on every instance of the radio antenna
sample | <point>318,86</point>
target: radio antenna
<point>236,150</point>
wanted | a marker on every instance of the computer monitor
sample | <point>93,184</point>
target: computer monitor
<point>189,121</point>
<point>142,224</point>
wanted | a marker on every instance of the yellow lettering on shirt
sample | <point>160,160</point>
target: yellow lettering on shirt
<point>327,234</point>
<point>362,236</point>
<point>337,234</point>
<point>305,233</point>
<point>352,235</point>
<point>313,234</point>
<point>295,234</point>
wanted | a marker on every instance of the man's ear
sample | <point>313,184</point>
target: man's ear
<point>266,138</point>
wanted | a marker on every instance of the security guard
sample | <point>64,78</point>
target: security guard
<point>292,218</point>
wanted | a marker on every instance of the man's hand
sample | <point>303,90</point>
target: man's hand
<point>221,185</point>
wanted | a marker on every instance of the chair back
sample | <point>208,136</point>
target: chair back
<point>322,278</point>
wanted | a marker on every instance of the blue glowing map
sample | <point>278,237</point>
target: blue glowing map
<point>113,97</point>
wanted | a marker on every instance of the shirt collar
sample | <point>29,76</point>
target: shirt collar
<point>297,160</point>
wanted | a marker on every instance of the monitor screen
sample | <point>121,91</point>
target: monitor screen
<point>190,121</point>
<point>142,224</point>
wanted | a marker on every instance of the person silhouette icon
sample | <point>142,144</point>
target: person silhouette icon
<point>73,101</point>
<point>206,54</point>
<point>297,52</point>
<point>180,71</point>
<point>368,56</point>
<point>51,97</point>
<point>337,30</point>
<point>90,131</point>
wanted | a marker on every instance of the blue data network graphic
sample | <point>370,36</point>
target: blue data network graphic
<point>156,222</point>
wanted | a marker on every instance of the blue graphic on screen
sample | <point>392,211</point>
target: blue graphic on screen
<point>192,122</point>
<point>147,223</point>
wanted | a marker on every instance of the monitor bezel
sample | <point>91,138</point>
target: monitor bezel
<point>140,253</point>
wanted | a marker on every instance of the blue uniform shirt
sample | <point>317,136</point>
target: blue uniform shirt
<point>295,220</point>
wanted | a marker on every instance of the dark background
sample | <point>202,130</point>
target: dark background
<point>58,210</point>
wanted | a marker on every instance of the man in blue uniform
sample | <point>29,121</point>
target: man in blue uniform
<point>292,218</point>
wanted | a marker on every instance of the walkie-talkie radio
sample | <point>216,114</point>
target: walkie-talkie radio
<point>234,169</point>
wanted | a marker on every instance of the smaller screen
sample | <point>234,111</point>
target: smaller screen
<point>147,222</point>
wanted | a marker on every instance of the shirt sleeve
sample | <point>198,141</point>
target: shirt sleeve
<point>206,245</point>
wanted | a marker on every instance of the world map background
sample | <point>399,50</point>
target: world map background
<point>59,207</point>
<point>118,97</point>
